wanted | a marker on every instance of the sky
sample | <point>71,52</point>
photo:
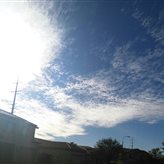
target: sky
<point>87,70</point>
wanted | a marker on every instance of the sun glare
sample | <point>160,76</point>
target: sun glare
<point>21,46</point>
<point>27,37</point>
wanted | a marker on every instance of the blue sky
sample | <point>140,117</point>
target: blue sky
<point>88,69</point>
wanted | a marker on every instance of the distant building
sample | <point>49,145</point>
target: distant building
<point>137,156</point>
<point>60,153</point>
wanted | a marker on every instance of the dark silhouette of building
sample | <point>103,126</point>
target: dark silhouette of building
<point>61,152</point>
<point>18,145</point>
<point>16,139</point>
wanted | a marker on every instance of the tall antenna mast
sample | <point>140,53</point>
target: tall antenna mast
<point>15,94</point>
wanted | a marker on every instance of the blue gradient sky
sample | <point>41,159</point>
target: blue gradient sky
<point>104,72</point>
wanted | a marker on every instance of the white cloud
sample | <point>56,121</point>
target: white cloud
<point>70,115</point>
<point>93,112</point>
<point>92,100</point>
<point>135,65</point>
<point>50,122</point>
<point>96,99</point>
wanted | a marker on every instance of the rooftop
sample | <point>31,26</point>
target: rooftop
<point>12,116</point>
<point>61,145</point>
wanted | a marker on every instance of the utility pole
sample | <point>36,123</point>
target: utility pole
<point>123,140</point>
<point>15,94</point>
<point>132,142</point>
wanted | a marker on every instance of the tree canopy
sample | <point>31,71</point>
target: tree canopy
<point>156,152</point>
<point>107,150</point>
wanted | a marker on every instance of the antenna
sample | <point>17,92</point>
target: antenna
<point>15,94</point>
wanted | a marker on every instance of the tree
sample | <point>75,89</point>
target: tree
<point>156,152</point>
<point>107,150</point>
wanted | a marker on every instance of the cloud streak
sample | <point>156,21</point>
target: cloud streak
<point>154,27</point>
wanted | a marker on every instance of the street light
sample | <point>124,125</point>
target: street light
<point>132,142</point>
<point>123,140</point>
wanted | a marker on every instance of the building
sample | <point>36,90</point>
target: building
<point>18,145</point>
<point>136,156</point>
<point>16,139</point>
<point>60,152</point>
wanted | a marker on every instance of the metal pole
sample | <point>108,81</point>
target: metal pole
<point>15,94</point>
<point>123,140</point>
<point>132,142</point>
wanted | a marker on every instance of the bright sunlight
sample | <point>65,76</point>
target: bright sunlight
<point>27,38</point>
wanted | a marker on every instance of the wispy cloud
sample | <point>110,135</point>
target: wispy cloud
<point>153,26</point>
<point>106,98</point>
<point>51,123</point>
<point>70,117</point>
<point>92,100</point>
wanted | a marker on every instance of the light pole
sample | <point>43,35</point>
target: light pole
<point>132,142</point>
<point>123,140</point>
